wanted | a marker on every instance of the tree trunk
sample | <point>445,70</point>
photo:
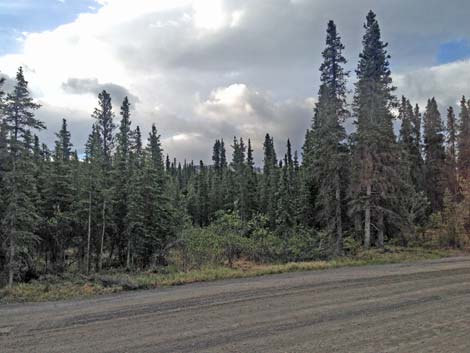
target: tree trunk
<point>339,224</point>
<point>11,270</point>
<point>89,236</point>
<point>100,263</point>
<point>128,259</point>
<point>367,217</point>
<point>380,233</point>
<point>357,223</point>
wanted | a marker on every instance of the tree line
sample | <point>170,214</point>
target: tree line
<point>124,205</point>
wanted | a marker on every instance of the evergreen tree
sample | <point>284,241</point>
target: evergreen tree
<point>20,215</point>
<point>435,157</point>
<point>419,163</point>
<point>105,124</point>
<point>309,190</point>
<point>202,201</point>
<point>285,207</point>
<point>59,196</point>
<point>410,142</point>
<point>411,202</point>
<point>94,161</point>
<point>216,150</point>
<point>269,180</point>
<point>240,185</point>
<point>374,158</point>
<point>135,230</point>
<point>3,168</point>
<point>251,183</point>
<point>463,140</point>
<point>451,153</point>
<point>328,153</point>
<point>122,179</point>
<point>158,216</point>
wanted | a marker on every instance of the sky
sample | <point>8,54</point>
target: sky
<point>208,69</point>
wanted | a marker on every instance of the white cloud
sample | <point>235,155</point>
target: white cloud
<point>445,82</point>
<point>253,62</point>
<point>238,110</point>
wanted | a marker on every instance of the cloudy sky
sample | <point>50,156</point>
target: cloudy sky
<point>206,69</point>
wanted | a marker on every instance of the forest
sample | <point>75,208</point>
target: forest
<point>401,178</point>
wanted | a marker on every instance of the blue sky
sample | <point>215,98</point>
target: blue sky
<point>453,51</point>
<point>18,16</point>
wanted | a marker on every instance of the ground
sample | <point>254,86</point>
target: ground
<point>407,307</point>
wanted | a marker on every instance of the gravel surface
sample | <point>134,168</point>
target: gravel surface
<point>419,307</point>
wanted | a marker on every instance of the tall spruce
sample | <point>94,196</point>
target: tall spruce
<point>374,158</point>
<point>158,216</point>
<point>59,195</point>
<point>410,142</point>
<point>435,156</point>
<point>94,180</point>
<point>451,153</point>
<point>411,203</point>
<point>251,183</point>
<point>240,190</point>
<point>122,178</point>
<point>3,168</point>
<point>135,230</point>
<point>328,152</point>
<point>464,140</point>
<point>105,124</point>
<point>268,194</point>
<point>20,216</point>
<point>285,211</point>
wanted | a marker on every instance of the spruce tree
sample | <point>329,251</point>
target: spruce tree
<point>285,213</point>
<point>411,203</point>
<point>435,157</point>
<point>451,153</point>
<point>105,124</point>
<point>251,183</point>
<point>3,168</point>
<point>159,223</point>
<point>202,200</point>
<point>122,178</point>
<point>94,161</point>
<point>60,196</point>
<point>135,230</point>
<point>374,155</point>
<point>328,153</point>
<point>239,187</point>
<point>463,140</point>
<point>216,191</point>
<point>20,215</point>
<point>269,181</point>
<point>309,190</point>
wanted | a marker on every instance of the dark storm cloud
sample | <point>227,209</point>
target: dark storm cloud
<point>91,85</point>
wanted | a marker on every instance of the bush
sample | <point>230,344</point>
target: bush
<point>306,245</point>
<point>200,247</point>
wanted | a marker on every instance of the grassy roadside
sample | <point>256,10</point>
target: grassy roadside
<point>74,286</point>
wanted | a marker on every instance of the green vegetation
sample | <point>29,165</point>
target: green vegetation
<point>77,286</point>
<point>71,224</point>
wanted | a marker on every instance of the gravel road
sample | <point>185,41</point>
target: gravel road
<point>419,307</point>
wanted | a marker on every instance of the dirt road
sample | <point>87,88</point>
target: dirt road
<point>421,307</point>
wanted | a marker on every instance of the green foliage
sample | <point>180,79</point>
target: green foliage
<point>435,157</point>
<point>124,205</point>
<point>327,155</point>
<point>375,153</point>
<point>307,245</point>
